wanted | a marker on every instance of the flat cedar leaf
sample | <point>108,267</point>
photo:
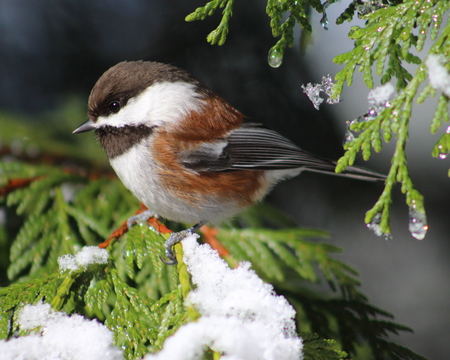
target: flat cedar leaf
<point>81,217</point>
<point>98,294</point>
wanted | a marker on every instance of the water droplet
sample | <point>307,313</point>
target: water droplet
<point>417,223</point>
<point>324,21</point>
<point>442,153</point>
<point>275,58</point>
<point>376,228</point>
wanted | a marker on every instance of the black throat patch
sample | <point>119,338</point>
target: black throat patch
<point>118,140</point>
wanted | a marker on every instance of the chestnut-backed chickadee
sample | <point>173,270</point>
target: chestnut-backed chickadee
<point>183,151</point>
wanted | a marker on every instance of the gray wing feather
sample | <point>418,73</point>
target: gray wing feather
<point>253,147</point>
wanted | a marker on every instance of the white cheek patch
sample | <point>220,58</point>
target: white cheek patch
<point>159,104</point>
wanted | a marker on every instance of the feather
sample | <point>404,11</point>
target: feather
<point>254,147</point>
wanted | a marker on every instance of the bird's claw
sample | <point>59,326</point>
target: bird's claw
<point>174,239</point>
<point>140,218</point>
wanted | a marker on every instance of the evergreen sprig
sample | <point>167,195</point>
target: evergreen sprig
<point>385,43</point>
<point>54,224</point>
<point>316,348</point>
<point>294,11</point>
<point>140,299</point>
<point>287,250</point>
<point>219,35</point>
<point>384,40</point>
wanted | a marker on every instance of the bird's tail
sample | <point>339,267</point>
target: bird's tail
<point>353,172</point>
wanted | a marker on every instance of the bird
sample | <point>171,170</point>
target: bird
<point>184,151</point>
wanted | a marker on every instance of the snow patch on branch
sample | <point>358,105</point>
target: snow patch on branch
<point>242,317</point>
<point>59,336</point>
<point>86,256</point>
<point>438,73</point>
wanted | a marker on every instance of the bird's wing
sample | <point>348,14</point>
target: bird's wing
<point>254,147</point>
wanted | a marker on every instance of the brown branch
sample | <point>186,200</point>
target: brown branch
<point>123,229</point>
<point>15,184</point>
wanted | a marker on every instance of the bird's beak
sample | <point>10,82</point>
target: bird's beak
<point>87,126</point>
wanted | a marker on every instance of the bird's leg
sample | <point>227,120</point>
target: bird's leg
<point>140,218</point>
<point>175,238</point>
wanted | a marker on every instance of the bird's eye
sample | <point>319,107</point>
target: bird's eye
<point>114,107</point>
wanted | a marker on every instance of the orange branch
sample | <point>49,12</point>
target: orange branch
<point>118,233</point>
<point>15,184</point>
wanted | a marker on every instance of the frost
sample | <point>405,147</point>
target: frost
<point>438,74</point>
<point>242,317</point>
<point>59,337</point>
<point>88,255</point>
<point>313,91</point>
<point>368,6</point>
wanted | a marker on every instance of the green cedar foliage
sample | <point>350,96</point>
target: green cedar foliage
<point>140,299</point>
<point>393,30</point>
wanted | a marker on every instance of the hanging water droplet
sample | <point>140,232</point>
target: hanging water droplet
<point>376,228</point>
<point>324,21</point>
<point>417,223</point>
<point>275,58</point>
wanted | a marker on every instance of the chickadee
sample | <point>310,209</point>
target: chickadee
<point>186,153</point>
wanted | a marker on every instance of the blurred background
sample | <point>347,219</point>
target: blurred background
<point>52,52</point>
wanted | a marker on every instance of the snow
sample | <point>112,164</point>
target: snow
<point>378,99</point>
<point>381,95</point>
<point>242,317</point>
<point>86,256</point>
<point>59,337</point>
<point>438,74</point>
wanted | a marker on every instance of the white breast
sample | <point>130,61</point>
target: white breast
<point>138,172</point>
